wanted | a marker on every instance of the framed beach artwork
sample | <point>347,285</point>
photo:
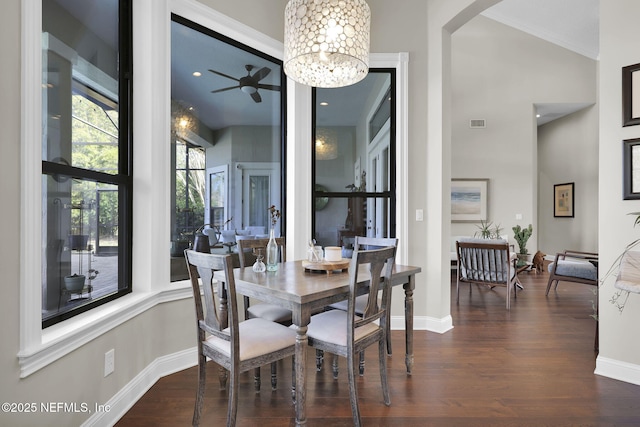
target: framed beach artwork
<point>563,200</point>
<point>469,200</point>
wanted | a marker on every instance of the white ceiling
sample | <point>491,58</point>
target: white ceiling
<point>572,24</point>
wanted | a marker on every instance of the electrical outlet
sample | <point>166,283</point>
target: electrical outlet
<point>518,217</point>
<point>109,362</point>
<point>419,215</point>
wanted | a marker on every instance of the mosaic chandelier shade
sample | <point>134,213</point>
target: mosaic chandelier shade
<point>326,42</point>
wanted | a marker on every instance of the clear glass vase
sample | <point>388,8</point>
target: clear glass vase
<point>272,251</point>
<point>259,266</point>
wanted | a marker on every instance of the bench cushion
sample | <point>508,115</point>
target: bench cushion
<point>580,269</point>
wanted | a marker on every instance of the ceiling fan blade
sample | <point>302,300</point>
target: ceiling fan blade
<point>256,97</point>
<point>268,87</point>
<point>261,73</point>
<point>225,89</point>
<point>224,75</point>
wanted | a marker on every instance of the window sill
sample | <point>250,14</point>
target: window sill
<point>65,337</point>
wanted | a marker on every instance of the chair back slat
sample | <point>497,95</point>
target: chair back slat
<point>369,243</point>
<point>375,242</point>
<point>202,267</point>
<point>380,263</point>
<point>254,244</point>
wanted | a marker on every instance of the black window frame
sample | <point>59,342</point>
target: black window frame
<point>123,180</point>
<point>283,103</point>
<point>390,194</point>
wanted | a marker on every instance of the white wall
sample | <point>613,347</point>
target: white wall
<point>498,74</point>
<point>568,152</point>
<point>619,355</point>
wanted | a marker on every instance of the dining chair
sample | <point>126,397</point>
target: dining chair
<point>262,310</point>
<point>361,301</point>
<point>239,347</point>
<point>345,333</point>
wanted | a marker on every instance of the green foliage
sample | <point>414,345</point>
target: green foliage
<point>190,187</point>
<point>487,230</point>
<point>484,229</point>
<point>521,236</point>
<point>94,146</point>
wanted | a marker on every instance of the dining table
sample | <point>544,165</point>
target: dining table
<point>305,292</point>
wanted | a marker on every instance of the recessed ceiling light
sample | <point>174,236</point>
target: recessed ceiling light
<point>324,103</point>
<point>197,73</point>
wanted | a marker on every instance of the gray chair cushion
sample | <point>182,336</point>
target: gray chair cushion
<point>361,303</point>
<point>257,337</point>
<point>580,269</point>
<point>331,326</point>
<point>270,312</point>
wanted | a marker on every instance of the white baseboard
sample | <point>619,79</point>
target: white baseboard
<point>618,370</point>
<point>424,323</point>
<point>122,401</point>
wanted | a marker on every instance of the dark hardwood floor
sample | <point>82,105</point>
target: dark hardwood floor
<point>532,366</point>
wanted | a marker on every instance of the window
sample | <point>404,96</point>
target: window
<point>354,160</point>
<point>228,109</point>
<point>190,186</point>
<point>86,171</point>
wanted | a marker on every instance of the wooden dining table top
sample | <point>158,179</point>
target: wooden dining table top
<point>293,285</point>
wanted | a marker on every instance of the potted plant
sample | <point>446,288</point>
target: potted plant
<point>521,236</point>
<point>486,230</point>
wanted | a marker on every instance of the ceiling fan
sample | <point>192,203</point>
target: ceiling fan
<point>249,83</point>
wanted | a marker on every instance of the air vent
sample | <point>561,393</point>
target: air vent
<point>477,123</point>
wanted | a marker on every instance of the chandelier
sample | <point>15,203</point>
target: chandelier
<point>183,119</point>
<point>326,42</point>
<point>326,144</point>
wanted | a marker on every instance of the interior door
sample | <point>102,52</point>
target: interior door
<point>378,181</point>
<point>217,196</point>
<point>260,190</point>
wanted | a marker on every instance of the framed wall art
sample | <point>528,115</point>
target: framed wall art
<point>631,169</point>
<point>469,200</point>
<point>563,200</point>
<point>631,95</point>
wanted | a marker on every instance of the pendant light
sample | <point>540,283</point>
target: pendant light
<point>326,42</point>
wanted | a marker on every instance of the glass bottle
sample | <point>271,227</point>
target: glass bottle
<point>272,251</point>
